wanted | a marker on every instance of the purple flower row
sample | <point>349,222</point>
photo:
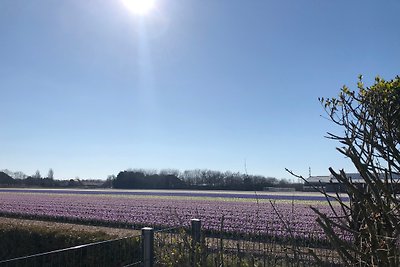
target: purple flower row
<point>172,193</point>
<point>231,215</point>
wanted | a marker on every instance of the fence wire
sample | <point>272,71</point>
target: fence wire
<point>176,247</point>
<point>117,252</point>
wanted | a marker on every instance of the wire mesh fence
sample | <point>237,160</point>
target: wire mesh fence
<point>118,252</point>
<point>191,246</point>
<point>176,247</point>
<point>250,251</point>
<point>171,246</point>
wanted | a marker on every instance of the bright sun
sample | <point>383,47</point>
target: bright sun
<point>139,7</point>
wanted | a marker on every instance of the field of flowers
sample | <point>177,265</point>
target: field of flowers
<point>233,212</point>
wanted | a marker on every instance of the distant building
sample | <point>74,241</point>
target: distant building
<point>279,189</point>
<point>330,184</point>
<point>5,179</point>
<point>92,183</point>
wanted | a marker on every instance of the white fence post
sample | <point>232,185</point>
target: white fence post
<point>148,246</point>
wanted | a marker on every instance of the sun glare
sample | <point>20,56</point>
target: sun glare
<point>139,7</point>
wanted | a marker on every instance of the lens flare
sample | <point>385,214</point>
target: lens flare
<point>139,7</point>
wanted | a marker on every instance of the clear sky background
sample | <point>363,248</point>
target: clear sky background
<point>89,89</point>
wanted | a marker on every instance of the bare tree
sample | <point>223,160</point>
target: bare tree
<point>37,174</point>
<point>365,231</point>
<point>50,174</point>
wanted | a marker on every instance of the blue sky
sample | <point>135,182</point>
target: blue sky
<point>89,89</point>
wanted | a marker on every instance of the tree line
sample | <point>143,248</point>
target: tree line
<point>20,179</point>
<point>198,179</point>
<point>194,179</point>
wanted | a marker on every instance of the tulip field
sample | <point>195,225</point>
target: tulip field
<point>258,213</point>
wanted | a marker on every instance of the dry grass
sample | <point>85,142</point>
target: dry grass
<point>67,227</point>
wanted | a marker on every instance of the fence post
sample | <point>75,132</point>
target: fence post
<point>196,230</point>
<point>147,247</point>
<point>196,238</point>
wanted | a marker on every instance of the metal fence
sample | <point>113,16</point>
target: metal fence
<point>187,246</point>
<point>117,252</point>
<point>196,247</point>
